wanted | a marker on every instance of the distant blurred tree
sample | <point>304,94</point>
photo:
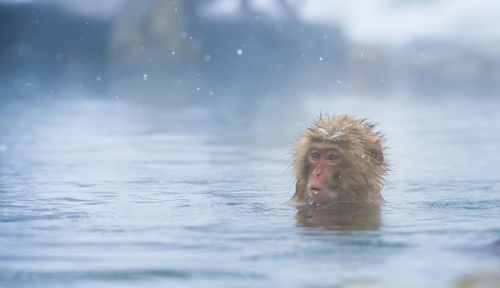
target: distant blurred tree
<point>153,33</point>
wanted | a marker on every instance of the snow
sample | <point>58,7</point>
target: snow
<point>336,134</point>
<point>322,131</point>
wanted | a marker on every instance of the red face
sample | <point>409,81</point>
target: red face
<point>324,161</point>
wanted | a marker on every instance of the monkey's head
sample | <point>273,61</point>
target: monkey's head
<point>339,159</point>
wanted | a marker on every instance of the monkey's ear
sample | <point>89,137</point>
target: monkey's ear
<point>377,152</point>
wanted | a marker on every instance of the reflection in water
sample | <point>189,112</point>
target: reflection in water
<point>345,216</point>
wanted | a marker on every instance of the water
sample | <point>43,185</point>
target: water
<point>104,192</point>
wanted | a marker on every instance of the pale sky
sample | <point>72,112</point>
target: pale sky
<point>387,20</point>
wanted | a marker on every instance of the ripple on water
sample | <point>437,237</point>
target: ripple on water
<point>95,194</point>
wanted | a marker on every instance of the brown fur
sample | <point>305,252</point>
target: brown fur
<point>363,169</point>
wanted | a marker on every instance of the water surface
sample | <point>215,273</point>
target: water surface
<point>103,192</point>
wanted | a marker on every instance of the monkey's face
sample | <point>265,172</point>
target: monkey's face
<point>324,161</point>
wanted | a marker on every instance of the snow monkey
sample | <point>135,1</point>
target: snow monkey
<point>339,159</point>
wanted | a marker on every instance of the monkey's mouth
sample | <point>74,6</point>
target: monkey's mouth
<point>318,195</point>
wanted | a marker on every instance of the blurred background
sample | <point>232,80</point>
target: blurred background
<point>191,51</point>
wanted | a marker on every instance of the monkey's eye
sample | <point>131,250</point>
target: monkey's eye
<point>333,157</point>
<point>314,155</point>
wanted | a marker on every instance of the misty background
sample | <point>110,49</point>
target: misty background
<point>185,52</point>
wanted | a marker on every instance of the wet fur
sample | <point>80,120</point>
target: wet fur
<point>364,167</point>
